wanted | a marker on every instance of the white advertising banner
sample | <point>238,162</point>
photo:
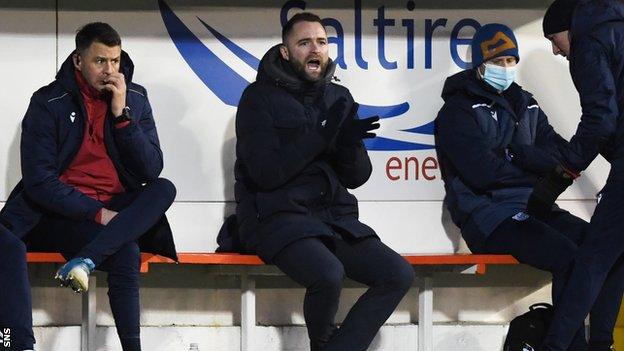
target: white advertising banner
<point>195,60</point>
<point>28,39</point>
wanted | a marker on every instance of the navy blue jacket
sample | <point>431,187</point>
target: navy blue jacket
<point>287,186</point>
<point>52,133</point>
<point>597,69</point>
<point>473,129</point>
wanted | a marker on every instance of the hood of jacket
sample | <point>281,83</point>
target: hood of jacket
<point>275,70</point>
<point>66,77</point>
<point>591,13</point>
<point>515,99</point>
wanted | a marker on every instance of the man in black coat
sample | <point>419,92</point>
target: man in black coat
<point>299,146</point>
<point>590,34</point>
<point>90,161</point>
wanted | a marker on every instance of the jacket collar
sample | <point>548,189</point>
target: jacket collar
<point>274,69</point>
<point>85,88</point>
<point>514,99</point>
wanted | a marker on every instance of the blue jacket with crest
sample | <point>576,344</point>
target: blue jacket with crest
<point>473,129</point>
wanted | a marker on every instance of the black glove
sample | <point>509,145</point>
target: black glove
<point>547,190</point>
<point>353,130</point>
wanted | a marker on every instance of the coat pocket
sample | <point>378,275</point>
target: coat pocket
<point>275,202</point>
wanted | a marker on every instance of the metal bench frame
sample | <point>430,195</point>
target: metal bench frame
<point>248,267</point>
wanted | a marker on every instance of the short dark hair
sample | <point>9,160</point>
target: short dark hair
<point>300,17</point>
<point>96,32</point>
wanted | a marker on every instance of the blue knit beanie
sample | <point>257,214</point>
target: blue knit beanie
<point>493,40</point>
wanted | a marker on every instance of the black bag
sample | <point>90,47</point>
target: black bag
<point>527,331</point>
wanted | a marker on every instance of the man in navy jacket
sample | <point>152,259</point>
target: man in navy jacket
<point>90,161</point>
<point>590,34</point>
<point>494,142</point>
<point>299,147</point>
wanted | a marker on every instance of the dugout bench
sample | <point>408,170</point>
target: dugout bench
<point>250,266</point>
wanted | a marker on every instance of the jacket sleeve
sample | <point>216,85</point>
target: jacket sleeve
<point>546,138</point>
<point>480,167</point>
<point>139,147</point>
<point>592,76</point>
<point>351,163</point>
<point>40,169</point>
<point>269,162</point>
<point>541,156</point>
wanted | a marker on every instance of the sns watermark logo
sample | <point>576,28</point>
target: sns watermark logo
<point>228,85</point>
<point>5,337</point>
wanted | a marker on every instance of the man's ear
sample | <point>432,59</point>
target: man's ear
<point>284,52</point>
<point>76,59</point>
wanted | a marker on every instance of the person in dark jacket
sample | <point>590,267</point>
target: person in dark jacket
<point>90,161</point>
<point>590,34</point>
<point>299,147</point>
<point>494,142</point>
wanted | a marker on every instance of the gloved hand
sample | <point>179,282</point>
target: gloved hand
<point>353,130</point>
<point>547,190</point>
<point>330,121</point>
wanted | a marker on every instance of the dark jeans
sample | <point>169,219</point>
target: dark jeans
<point>549,245</point>
<point>596,281</point>
<point>320,264</point>
<point>113,248</point>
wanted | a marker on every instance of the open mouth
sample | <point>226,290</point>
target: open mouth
<point>313,65</point>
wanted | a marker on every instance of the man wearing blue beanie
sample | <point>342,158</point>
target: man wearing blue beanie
<point>590,34</point>
<point>495,55</point>
<point>494,142</point>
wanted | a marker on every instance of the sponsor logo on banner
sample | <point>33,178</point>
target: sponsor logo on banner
<point>228,85</point>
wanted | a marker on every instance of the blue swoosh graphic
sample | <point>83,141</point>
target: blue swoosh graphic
<point>241,53</point>
<point>427,128</point>
<point>214,73</point>
<point>383,111</point>
<point>385,144</point>
<point>228,85</point>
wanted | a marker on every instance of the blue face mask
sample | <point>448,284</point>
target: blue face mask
<point>500,78</point>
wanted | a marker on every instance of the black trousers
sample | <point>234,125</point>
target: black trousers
<point>320,265</point>
<point>596,280</point>
<point>112,248</point>
<point>552,245</point>
<point>15,302</point>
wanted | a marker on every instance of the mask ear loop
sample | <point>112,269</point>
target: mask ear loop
<point>481,71</point>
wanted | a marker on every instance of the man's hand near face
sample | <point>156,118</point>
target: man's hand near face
<point>116,84</point>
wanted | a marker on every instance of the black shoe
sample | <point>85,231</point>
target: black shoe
<point>600,346</point>
<point>319,344</point>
